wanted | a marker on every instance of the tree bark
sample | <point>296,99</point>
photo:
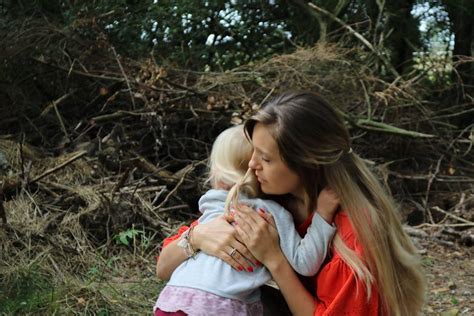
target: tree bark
<point>461,15</point>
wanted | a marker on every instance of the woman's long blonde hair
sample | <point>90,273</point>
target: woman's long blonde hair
<point>314,142</point>
<point>228,165</point>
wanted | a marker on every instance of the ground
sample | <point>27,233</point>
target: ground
<point>450,275</point>
<point>126,285</point>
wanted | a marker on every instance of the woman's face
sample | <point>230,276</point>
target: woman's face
<point>272,172</point>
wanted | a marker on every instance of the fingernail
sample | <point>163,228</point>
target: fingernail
<point>258,263</point>
<point>250,269</point>
<point>240,268</point>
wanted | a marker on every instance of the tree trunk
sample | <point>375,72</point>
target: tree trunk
<point>337,8</point>
<point>405,36</point>
<point>461,15</point>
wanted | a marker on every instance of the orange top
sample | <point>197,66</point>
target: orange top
<point>181,230</point>
<point>338,291</point>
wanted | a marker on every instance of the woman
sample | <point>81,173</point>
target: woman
<point>301,146</point>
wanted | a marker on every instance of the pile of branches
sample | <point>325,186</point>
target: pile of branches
<point>94,143</point>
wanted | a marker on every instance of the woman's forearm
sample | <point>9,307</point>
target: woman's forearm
<point>215,238</point>
<point>299,300</point>
<point>170,258</point>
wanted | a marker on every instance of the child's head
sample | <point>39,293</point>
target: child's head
<point>228,164</point>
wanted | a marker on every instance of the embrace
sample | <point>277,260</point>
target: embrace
<point>291,201</point>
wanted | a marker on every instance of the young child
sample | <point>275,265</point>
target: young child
<point>206,285</point>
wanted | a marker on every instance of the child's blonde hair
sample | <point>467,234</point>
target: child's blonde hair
<point>228,165</point>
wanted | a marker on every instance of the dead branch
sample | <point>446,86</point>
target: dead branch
<point>55,103</point>
<point>359,37</point>
<point>9,184</point>
<point>132,98</point>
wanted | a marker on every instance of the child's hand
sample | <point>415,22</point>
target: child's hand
<point>327,204</point>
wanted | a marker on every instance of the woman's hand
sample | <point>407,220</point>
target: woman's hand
<point>327,204</point>
<point>258,233</point>
<point>218,238</point>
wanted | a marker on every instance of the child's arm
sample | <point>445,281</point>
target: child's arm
<point>307,254</point>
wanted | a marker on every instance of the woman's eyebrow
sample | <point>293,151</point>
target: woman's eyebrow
<point>260,151</point>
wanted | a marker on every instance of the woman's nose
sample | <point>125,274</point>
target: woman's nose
<point>253,163</point>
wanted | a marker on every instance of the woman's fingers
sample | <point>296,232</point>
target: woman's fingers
<point>234,258</point>
<point>243,233</point>
<point>218,238</point>
<point>255,217</point>
<point>242,262</point>
<point>230,260</point>
<point>245,254</point>
<point>247,210</point>
<point>244,227</point>
<point>267,216</point>
<point>258,233</point>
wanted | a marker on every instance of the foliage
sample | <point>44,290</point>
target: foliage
<point>29,290</point>
<point>223,34</point>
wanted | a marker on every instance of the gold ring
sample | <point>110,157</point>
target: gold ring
<point>232,252</point>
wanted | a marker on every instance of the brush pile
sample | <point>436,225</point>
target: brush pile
<point>94,144</point>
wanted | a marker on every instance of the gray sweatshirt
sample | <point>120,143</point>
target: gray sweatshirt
<point>213,275</point>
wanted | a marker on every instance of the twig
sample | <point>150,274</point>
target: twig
<point>22,157</point>
<point>55,103</point>
<point>121,182</point>
<point>3,214</point>
<point>189,168</point>
<point>118,114</point>
<point>386,128</point>
<point>77,72</point>
<point>171,208</point>
<point>367,98</point>
<point>358,36</point>
<point>428,187</point>
<point>370,125</point>
<point>176,85</point>
<point>266,97</point>
<point>64,164</point>
<point>427,177</point>
<point>444,225</point>
<point>125,77</point>
<point>61,122</point>
<point>164,174</point>
<point>438,209</point>
<point>153,218</point>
